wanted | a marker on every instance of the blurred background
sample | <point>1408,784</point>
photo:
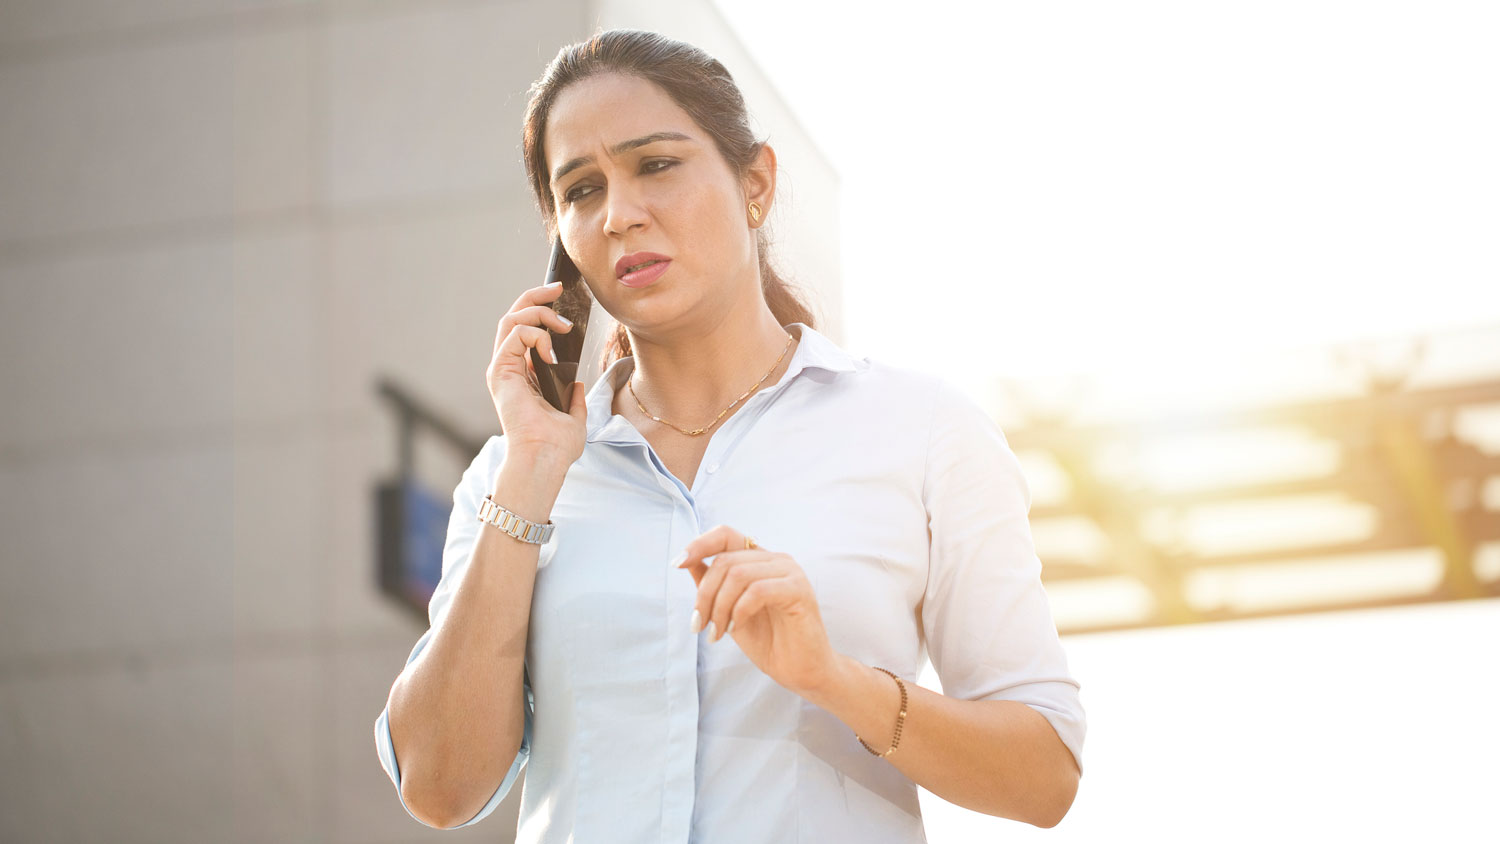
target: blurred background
<point>1227,276</point>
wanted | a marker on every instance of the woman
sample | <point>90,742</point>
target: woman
<point>837,519</point>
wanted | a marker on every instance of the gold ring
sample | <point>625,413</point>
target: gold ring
<point>750,543</point>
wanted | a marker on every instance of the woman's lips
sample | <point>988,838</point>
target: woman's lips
<point>645,275</point>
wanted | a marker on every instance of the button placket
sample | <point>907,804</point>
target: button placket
<point>682,673</point>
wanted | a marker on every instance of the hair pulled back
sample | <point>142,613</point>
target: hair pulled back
<point>702,87</point>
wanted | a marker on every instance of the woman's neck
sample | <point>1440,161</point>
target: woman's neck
<point>687,379</point>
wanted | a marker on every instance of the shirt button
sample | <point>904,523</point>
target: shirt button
<point>713,467</point>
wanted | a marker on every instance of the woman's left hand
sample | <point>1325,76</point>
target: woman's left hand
<point>769,602</point>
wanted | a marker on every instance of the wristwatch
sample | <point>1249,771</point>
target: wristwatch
<point>522,529</point>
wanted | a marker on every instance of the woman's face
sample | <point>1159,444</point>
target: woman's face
<point>631,173</point>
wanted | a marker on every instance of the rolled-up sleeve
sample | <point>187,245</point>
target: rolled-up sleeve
<point>458,550</point>
<point>987,621</point>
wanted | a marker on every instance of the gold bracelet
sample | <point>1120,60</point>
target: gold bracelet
<point>899,719</point>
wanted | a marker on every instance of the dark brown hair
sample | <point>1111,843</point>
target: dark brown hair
<point>700,86</point>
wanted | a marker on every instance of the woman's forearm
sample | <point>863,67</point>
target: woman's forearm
<point>455,713</point>
<point>999,757</point>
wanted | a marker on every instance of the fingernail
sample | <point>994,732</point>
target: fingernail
<point>554,356</point>
<point>730,628</point>
<point>678,560</point>
<point>697,622</point>
<point>711,636</point>
<point>565,320</point>
<point>553,284</point>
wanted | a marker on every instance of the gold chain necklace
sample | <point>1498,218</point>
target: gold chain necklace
<point>696,431</point>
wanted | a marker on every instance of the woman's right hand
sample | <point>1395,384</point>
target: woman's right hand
<point>529,422</point>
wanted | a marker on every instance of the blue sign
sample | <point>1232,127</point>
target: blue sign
<point>425,530</point>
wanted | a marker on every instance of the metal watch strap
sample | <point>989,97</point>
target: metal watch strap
<point>522,529</point>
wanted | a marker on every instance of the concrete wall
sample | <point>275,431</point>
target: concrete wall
<point>219,222</point>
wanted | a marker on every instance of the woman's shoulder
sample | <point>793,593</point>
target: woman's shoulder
<point>904,381</point>
<point>942,405</point>
<point>485,464</point>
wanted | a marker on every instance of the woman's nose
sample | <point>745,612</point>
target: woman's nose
<point>624,210</point>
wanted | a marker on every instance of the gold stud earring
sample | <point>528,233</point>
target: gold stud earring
<point>755,212</point>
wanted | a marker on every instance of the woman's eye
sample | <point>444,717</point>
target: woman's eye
<point>654,166</point>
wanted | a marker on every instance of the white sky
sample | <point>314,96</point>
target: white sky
<point>1153,187</point>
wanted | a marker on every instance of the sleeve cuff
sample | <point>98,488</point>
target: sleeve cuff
<point>1057,701</point>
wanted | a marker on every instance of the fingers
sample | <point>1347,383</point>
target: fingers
<point>721,584</point>
<point>726,589</point>
<point>536,315</point>
<point>579,408</point>
<point>727,546</point>
<point>536,296</point>
<point>716,540</point>
<point>523,337</point>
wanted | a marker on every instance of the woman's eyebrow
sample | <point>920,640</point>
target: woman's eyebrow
<point>618,149</point>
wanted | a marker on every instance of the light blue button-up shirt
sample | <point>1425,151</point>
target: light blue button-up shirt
<point>907,509</point>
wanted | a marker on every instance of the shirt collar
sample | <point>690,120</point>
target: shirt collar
<point>814,351</point>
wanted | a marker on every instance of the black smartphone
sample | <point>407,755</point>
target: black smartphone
<point>555,380</point>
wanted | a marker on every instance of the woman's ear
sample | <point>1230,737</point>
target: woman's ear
<point>760,184</point>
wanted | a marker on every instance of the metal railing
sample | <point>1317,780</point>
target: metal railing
<point>1399,454</point>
